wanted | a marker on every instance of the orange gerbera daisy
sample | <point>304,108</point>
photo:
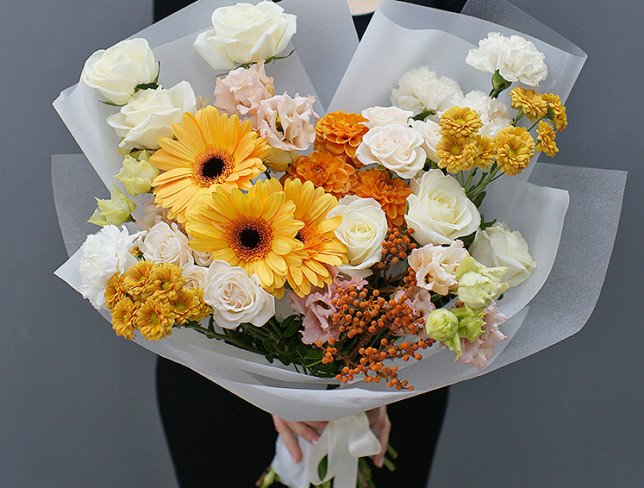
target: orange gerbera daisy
<point>324,170</point>
<point>390,192</point>
<point>211,150</point>
<point>322,249</point>
<point>341,133</point>
<point>255,231</point>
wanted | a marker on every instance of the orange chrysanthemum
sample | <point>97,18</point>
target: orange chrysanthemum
<point>211,150</point>
<point>341,133</point>
<point>324,170</point>
<point>322,250</point>
<point>390,192</point>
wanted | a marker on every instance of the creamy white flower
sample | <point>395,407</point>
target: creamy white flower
<point>102,255</point>
<point>202,258</point>
<point>363,229</point>
<point>149,115</point>
<point>245,33</point>
<point>115,72</point>
<point>379,116</point>
<point>151,215</point>
<point>166,244</point>
<point>285,122</point>
<point>492,112</point>
<point>516,58</point>
<point>396,147</point>
<point>436,266</point>
<point>499,246</point>
<point>243,89</point>
<point>421,89</point>
<point>237,298</point>
<point>430,132</point>
<point>439,211</point>
<point>137,173</point>
<point>196,276</point>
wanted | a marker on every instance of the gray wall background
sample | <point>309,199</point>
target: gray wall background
<point>77,405</point>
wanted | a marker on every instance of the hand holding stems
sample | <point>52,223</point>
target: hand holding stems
<point>311,431</point>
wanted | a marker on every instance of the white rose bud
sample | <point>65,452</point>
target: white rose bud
<point>115,72</point>
<point>396,147</point>
<point>196,276</point>
<point>499,246</point>
<point>379,116</point>
<point>165,244</point>
<point>237,298</point>
<point>363,229</point>
<point>431,134</point>
<point>149,115</point>
<point>245,33</point>
<point>439,211</point>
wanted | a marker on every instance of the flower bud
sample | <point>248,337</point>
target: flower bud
<point>137,173</point>
<point>114,211</point>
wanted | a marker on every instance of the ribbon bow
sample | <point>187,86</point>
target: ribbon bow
<point>343,442</point>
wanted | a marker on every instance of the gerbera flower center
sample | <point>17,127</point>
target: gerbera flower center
<point>212,166</point>
<point>251,239</point>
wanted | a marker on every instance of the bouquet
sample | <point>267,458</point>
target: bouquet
<point>316,256</point>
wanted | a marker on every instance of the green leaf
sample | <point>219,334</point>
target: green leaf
<point>323,467</point>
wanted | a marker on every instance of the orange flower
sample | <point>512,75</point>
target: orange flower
<point>324,170</point>
<point>390,192</point>
<point>341,133</point>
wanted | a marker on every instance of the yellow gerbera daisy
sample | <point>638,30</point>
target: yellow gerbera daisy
<point>322,249</point>
<point>533,104</point>
<point>456,153</point>
<point>559,117</point>
<point>211,150</point>
<point>460,122</point>
<point>546,139</point>
<point>514,149</point>
<point>255,231</point>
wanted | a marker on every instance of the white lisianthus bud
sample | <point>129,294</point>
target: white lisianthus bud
<point>115,72</point>
<point>479,285</point>
<point>115,211</point>
<point>137,173</point>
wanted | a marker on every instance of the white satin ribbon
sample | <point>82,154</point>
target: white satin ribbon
<point>343,441</point>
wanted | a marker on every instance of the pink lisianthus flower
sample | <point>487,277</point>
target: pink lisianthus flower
<point>243,89</point>
<point>436,266</point>
<point>286,122</point>
<point>479,352</point>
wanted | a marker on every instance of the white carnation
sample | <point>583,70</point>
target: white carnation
<point>421,89</point>
<point>492,112</point>
<point>166,244</point>
<point>516,58</point>
<point>102,255</point>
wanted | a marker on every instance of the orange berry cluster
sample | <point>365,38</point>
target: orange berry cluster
<point>370,327</point>
<point>395,248</point>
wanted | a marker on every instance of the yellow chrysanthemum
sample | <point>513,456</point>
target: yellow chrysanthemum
<point>533,104</point>
<point>154,320</point>
<point>514,149</point>
<point>188,305</point>
<point>255,231</point>
<point>460,122</point>
<point>136,281</point>
<point>486,152</point>
<point>559,118</point>
<point>115,291</point>
<point>322,249</point>
<point>456,153</point>
<point>546,139</point>
<point>124,318</point>
<point>211,150</point>
<point>166,280</point>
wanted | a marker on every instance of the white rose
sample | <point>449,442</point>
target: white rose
<point>116,71</point>
<point>165,244</point>
<point>245,33</point>
<point>431,134</point>
<point>421,89</point>
<point>363,229</point>
<point>492,112</point>
<point>196,276</point>
<point>237,298</point>
<point>102,255</point>
<point>396,147</point>
<point>439,211</point>
<point>498,246</point>
<point>379,116</point>
<point>149,115</point>
<point>516,58</point>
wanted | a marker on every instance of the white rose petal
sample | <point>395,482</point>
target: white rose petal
<point>421,89</point>
<point>516,58</point>
<point>102,255</point>
<point>149,115</point>
<point>499,246</point>
<point>363,229</point>
<point>245,33</point>
<point>492,112</point>
<point>166,244</point>
<point>115,72</point>
<point>439,211</point>
<point>379,116</point>
<point>196,276</point>
<point>396,147</point>
<point>237,298</point>
<point>430,132</point>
